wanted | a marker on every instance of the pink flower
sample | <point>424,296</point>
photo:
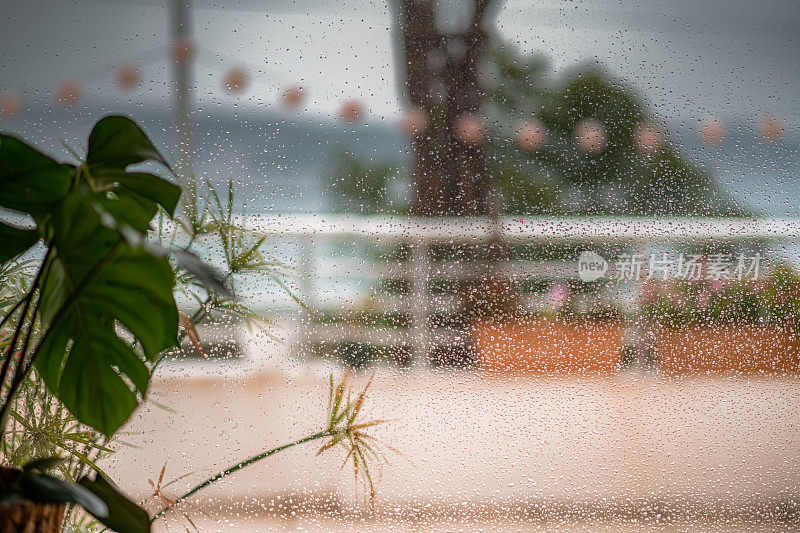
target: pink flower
<point>716,286</point>
<point>558,295</point>
<point>650,291</point>
<point>703,299</point>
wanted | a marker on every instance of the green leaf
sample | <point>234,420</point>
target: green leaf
<point>129,209</point>
<point>202,272</point>
<point>14,241</point>
<point>43,464</point>
<point>131,197</point>
<point>47,489</point>
<point>151,187</point>
<point>97,283</point>
<point>124,516</point>
<point>106,303</point>
<point>30,181</point>
<point>116,142</point>
<point>89,385</point>
<point>147,189</point>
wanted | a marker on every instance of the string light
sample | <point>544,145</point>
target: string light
<point>771,128</point>
<point>711,131</point>
<point>293,96</point>
<point>590,136</point>
<point>469,129</point>
<point>352,111</point>
<point>182,50</point>
<point>647,138</point>
<point>68,93</point>
<point>236,80</point>
<point>128,77</point>
<point>530,135</point>
<point>414,121</point>
<point>9,105</point>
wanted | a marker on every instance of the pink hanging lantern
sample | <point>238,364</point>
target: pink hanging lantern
<point>293,96</point>
<point>771,128</point>
<point>68,93</point>
<point>530,135</point>
<point>128,77</point>
<point>647,138</point>
<point>414,121</point>
<point>469,129</point>
<point>182,50</point>
<point>236,80</point>
<point>353,111</point>
<point>9,105</point>
<point>711,131</point>
<point>590,136</point>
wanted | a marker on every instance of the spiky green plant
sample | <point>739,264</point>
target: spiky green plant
<point>209,223</point>
<point>40,426</point>
<point>342,429</point>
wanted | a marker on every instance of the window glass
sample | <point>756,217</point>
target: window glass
<point>480,265</point>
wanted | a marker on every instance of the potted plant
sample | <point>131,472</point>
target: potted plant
<point>98,311</point>
<point>727,326</point>
<point>571,332</point>
<point>87,310</point>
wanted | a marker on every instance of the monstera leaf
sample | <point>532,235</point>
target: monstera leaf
<point>115,143</point>
<point>33,183</point>
<point>91,292</point>
<point>124,516</point>
<point>15,241</point>
<point>106,303</point>
<point>103,295</point>
<point>30,182</point>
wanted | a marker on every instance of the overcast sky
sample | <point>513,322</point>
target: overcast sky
<point>736,59</point>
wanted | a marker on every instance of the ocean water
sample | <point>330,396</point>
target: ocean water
<point>281,162</point>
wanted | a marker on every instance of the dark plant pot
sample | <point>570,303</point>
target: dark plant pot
<point>28,516</point>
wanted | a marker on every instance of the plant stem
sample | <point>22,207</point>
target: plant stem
<point>73,296</point>
<point>243,464</point>
<point>10,350</point>
<point>6,402</point>
<point>22,370</point>
<point>11,312</point>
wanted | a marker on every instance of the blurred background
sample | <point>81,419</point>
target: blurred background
<point>424,179</point>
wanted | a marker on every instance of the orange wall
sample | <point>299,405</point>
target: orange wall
<point>744,349</point>
<point>550,347</point>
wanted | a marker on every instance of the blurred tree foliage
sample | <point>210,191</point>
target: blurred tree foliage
<point>362,186</point>
<point>557,179</point>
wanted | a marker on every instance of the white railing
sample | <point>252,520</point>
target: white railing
<point>522,229</point>
<point>320,275</point>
